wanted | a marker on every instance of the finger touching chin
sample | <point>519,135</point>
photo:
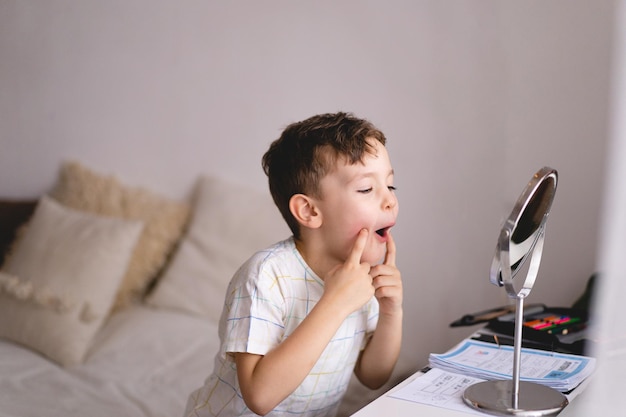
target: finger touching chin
<point>373,255</point>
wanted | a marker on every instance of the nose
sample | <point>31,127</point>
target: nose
<point>390,200</point>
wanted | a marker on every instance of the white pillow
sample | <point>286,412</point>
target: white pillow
<point>229,223</point>
<point>164,220</point>
<point>60,280</point>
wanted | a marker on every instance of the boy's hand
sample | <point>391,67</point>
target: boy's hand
<point>350,284</point>
<point>388,282</point>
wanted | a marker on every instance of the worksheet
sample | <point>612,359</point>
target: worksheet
<point>439,388</point>
<point>560,371</point>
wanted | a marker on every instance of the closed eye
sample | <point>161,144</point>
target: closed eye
<point>391,188</point>
<point>366,190</point>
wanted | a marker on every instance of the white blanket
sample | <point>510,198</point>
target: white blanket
<point>144,362</point>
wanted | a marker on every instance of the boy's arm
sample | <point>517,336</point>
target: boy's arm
<point>379,357</point>
<point>266,380</point>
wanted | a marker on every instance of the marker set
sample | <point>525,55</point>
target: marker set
<point>555,328</point>
<point>558,324</point>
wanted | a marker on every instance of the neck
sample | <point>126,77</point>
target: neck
<point>315,257</point>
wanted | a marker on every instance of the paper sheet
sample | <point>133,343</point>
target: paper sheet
<point>439,388</point>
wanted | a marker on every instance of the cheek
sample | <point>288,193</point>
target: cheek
<point>374,252</point>
<point>357,218</point>
<point>355,224</point>
<point>347,232</point>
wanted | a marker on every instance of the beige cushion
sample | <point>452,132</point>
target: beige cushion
<point>83,189</point>
<point>229,223</point>
<point>59,283</point>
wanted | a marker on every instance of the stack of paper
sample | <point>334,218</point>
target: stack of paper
<point>483,360</point>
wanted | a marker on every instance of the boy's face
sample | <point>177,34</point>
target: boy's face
<point>355,197</point>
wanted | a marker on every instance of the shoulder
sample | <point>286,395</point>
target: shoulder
<point>280,258</point>
<point>277,253</point>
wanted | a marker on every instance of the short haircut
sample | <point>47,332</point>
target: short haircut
<point>308,150</point>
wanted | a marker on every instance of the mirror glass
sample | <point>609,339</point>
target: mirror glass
<point>523,231</point>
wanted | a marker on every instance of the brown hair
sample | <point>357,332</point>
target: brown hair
<point>307,150</point>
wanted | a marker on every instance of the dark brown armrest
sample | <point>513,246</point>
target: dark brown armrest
<point>13,214</point>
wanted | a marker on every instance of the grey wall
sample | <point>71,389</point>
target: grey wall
<point>473,95</point>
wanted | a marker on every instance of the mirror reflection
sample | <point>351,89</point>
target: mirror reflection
<point>525,226</point>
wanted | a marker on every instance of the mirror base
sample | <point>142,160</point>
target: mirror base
<point>496,398</point>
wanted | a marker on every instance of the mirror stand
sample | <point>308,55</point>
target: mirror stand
<point>515,397</point>
<point>524,228</point>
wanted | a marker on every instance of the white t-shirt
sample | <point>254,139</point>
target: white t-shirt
<point>269,296</point>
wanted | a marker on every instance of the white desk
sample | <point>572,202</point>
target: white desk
<point>387,406</point>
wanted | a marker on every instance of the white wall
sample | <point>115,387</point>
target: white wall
<point>473,95</point>
<point>557,112</point>
<point>603,397</point>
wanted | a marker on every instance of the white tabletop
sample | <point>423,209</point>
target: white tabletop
<point>388,406</point>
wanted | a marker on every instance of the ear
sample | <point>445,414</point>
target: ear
<point>305,211</point>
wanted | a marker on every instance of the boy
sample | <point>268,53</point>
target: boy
<point>302,315</point>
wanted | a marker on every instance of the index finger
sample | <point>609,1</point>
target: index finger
<point>358,248</point>
<point>390,256</point>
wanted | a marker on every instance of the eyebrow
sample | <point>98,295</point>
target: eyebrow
<point>371,174</point>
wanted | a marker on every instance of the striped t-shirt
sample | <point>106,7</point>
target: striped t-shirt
<point>269,296</point>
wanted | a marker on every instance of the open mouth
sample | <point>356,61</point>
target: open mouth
<point>382,232</point>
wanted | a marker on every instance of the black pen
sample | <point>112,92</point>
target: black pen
<point>482,316</point>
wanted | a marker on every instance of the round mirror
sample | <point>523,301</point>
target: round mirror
<point>519,247</point>
<point>521,237</point>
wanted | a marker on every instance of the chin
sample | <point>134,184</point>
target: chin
<point>373,257</point>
